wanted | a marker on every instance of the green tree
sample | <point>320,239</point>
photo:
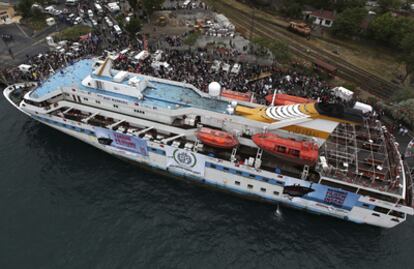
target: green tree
<point>25,7</point>
<point>133,4</point>
<point>386,5</point>
<point>390,30</point>
<point>348,22</point>
<point>133,26</point>
<point>407,46</point>
<point>279,49</point>
<point>341,5</point>
<point>291,9</point>
<point>151,5</point>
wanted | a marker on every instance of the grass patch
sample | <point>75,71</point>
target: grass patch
<point>192,38</point>
<point>74,32</point>
<point>35,23</point>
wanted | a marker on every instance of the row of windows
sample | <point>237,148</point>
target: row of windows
<point>157,151</point>
<point>250,186</point>
<point>115,106</point>
<point>68,126</point>
<point>244,174</point>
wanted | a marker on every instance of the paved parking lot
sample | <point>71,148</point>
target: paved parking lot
<point>24,42</point>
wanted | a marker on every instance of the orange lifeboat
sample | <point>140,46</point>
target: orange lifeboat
<point>216,138</point>
<point>236,95</point>
<point>301,152</point>
<point>282,99</point>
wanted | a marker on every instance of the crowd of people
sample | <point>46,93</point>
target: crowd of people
<point>196,67</point>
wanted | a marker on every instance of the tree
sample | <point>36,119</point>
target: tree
<point>279,49</point>
<point>25,7</point>
<point>133,26</point>
<point>341,5</point>
<point>133,4</point>
<point>386,5</point>
<point>151,5</point>
<point>348,22</point>
<point>291,9</point>
<point>407,46</point>
<point>390,30</point>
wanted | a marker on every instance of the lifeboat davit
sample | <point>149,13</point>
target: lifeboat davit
<point>282,99</point>
<point>246,97</point>
<point>216,138</point>
<point>301,152</point>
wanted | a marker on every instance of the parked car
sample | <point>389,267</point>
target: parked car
<point>78,20</point>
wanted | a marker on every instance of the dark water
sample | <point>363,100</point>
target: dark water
<point>64,204</point>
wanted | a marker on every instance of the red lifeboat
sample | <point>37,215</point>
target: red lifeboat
<point>236,95</point>
<point>282,99</point>
<point>301,152</point>
<point>216,138</point>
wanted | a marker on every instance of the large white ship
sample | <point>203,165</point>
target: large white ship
<point>324,159</point>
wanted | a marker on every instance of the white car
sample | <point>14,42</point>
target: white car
<point>235,69</point>
<point>90,13</point>
<point>157,55</point>
<point>109,22</point>
<point>117,29</point>
<point>216,66</point>
<point>225,67</point>
<point>94,23</point>
<point>77,20</point>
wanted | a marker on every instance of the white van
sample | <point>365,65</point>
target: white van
<point>109,22</point>
<point>98,8</point>
<point>157,66</point>
<point>117,29</point>
<point>50,21</point>
<point>25,68</point>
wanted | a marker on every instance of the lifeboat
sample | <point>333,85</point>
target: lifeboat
<point>236,95</point>
<point>282,99</point>
<point>300,152</point>
<point>216,138</point>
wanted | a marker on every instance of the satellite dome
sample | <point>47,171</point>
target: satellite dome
<point>214,89</point>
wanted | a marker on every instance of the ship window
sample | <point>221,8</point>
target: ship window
<point>275,192</point>
<point>397,214</point>
<point>381,210</point>
<point>395,219</point>
<point>263,189</point>
<point>340,186</point>
<point>98,102</point>
<point>378,196</point>
<point>376,214</point>
<point>294,152</point>
<point>250,186</point>
<point>281,149</point>
<point>213,166</point>
<point>116,106</point>
<point>84,98</point>
<point>365,205</point>
<point>237,183</point>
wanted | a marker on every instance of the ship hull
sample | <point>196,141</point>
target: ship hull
<point>220,178</point>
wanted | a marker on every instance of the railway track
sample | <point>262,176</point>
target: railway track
<point>364,79</point>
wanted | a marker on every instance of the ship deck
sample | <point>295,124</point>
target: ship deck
<point>363,156</point>
<point>159,94</point>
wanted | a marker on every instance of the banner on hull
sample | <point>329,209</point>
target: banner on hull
<point>186,161</point>
<point>123,141</point>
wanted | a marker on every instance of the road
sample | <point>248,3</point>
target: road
<point>25,42</point>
